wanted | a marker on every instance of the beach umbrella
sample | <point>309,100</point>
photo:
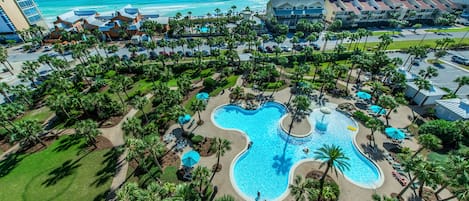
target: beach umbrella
<point>202,96</point>
<point>183,119</point>
<point>377,109</point>
<point>394,133</point>
<point>190,158</point>
<point>363,95</point>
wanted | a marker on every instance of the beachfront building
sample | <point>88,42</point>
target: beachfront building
<point>18,15</point>
<point>289,12</point>
<point>452,109</point>
<point>464,4</point>
<point>125,21</point>
<point>363,13</point>
<point>424,97</point>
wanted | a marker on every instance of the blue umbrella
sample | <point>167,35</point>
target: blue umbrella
<point>394,133</point>
<point>377,109</point>
<point>184,119</point>
<point>190,158</point>
<point>202,96</point>
<point>363,95</point>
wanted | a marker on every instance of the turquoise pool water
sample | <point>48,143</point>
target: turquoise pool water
<point>265,167</point>
<point>204,29</point>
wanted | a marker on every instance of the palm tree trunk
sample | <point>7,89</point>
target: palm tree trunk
<point>421,188</point>
<point>406,187</point>
<point>457,89</point>
<point>4,94</point>
<point>321,182</point>
<point>198,113</point>
<point>9,70</point>
<point>441,189</point>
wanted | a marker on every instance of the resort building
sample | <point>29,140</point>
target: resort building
<point>113,25</point>
<point>18,15</point>
<point>289,12</point>
<point>452,109</point>
<point>424,97</point>
<point>464,4</point>
<point>363,13</point>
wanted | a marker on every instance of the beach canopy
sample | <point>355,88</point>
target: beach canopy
<point>394,133</point>
<point>363,95</point>
<point>202,96</point>
<point>183,119</point>
<point>377,109</point>
<point>190,158</point>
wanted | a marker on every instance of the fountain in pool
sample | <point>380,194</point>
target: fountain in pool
<point>322,121</point>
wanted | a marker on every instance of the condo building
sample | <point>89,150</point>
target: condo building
<point>18,15</point>
<point>289,12</point>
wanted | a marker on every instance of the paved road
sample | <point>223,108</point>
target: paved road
<point>447,71</point>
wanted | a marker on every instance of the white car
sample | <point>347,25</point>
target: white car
<point>47,48</point>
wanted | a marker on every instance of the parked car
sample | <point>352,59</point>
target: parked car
<point>315,46</point>
<point>164,53</point>
<point>286,49</point>
<point>125,57</point>
<point>269,49</point>
<point>189,53</point>
<point>416,62</point>
<point>205,53</point>
<point>47,48</point>
<point>460,60</point>
<point>261,49</point>
<point>153,55</point>
<point>180,52</point>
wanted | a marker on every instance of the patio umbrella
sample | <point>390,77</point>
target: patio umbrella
<point>363,95</point>
<point>190,158</point>
<point>377,109</point>
<point>202,96</point>
<point>183,119</point>
<point>394,133</point>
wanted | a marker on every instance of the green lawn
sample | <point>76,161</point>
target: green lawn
<point>449,30</point>
<point>231,82</point>
<point>397,45</point>
<point>170,175</point>
<point>63,171</point>
<point>40,114</point>
<point>380,33</point>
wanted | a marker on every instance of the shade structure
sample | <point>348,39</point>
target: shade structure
<point>183,119</point>
<point>394,133</point>
<point>363,95</point>
<point>202,96</point>
<point>377,109</point>
<point>190,158</point>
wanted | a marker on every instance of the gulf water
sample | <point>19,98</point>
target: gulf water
<point>52,8</point>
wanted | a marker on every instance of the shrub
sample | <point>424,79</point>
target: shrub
<point>361,116</point>
<point>447,131</point>
<point>197,139</point>
<point>210,83</point>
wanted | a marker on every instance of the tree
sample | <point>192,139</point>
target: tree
<point>428,73</point>
<point>28,75</point>
<point>198,106</point>
<point>421,84</point>
<point>219,147</point>
<point>428,141</point>
<point>133,127</point>
<point>300,104</point>
<point>374,124</point>
<point>27,132</point>
<point>139,102</point>
<point>299,189</point>
<point>389,103</point>
<point>89,130</point>
<point>200,178</point>
<point>334,159</point>
<point>416,26</point>
<point>462,81</point>
<point>4,59</point>
<point>4,88</point>
<point>225,198</point>
<point>447,131</point>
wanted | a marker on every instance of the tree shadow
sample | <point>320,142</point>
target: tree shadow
<point>282,164</point>
<point>375,153</point>
<point>102,196</point>
<point>66,169</point>
<point>109,170</point>
<point>67,142</point>
<point>9,163</point>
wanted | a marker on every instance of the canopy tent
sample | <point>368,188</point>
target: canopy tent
<point>183,119</point>
<point>377,109</point>
<point>394,133</point>
<point>202,96</point>
<point>363,95</point>
<point>190,158</point>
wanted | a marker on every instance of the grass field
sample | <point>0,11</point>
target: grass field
<point>399,45</point>
<point>380,33</point>
<point>40,114</point>
<point>63,171</point>
<point>450,30</point>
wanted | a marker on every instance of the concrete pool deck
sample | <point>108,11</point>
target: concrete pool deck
<point>348,191</point>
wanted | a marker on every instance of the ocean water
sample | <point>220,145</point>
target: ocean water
<point>265,167</point>
<point>52,8</point>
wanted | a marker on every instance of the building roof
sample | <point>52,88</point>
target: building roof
<point>160,20</point>
<point>128,11</point>
<point>434,90</point>
<point>298,3</point>
<point>382,5</point>
<point>457,106</point>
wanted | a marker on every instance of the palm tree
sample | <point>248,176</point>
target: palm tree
<point>457,175</point>
<point>139,102</point>
<point>334,158</point>
<point>198,106</point>
<point>89,130</point>
<point>28,75</point>
<point>462,81</point>
<point>219,147</point>
<point>225,198</point>
<point>133,126</point>
<point>374,124</point>
<point>428,141</point>
<point>155,147</point>
<point>301,104</point>
<point>4,88</point>
<point>300,188</point>
<point>200,178</point>
<point>428,73</point>
<point>421,84</point>
<point>27,132</point>
<point>388,102</point>
<point>4,59</point>
<point>327,37</point>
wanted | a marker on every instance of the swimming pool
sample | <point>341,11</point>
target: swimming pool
<point>204,29</point>
<point>266,166</point>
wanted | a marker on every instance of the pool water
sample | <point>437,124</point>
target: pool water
<point>204,29</point>
<point>265,167</point>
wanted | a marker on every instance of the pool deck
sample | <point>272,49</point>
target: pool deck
<point>348,191</point>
